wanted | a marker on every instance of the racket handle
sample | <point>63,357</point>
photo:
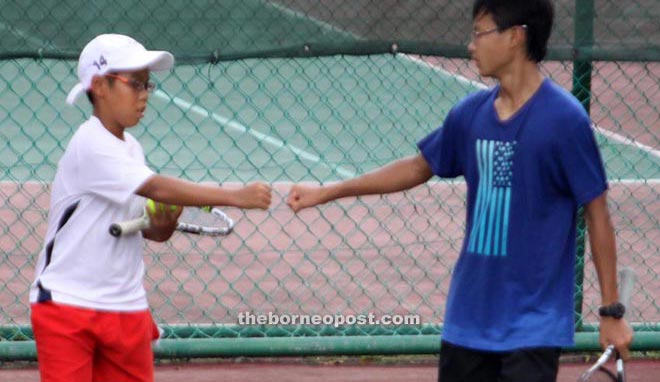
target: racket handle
<point>129,227</point>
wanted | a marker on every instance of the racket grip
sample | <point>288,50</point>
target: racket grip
<point>129,227</point>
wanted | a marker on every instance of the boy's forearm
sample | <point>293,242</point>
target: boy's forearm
<point>184,193</point>
<point>603,247</point>
<point>394,177</point>
<point>604,256</point>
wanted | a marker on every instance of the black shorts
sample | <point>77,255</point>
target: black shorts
<point>459,364</point>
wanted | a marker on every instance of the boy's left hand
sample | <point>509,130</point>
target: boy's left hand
<point>616,332</point>
<point>163,219</point>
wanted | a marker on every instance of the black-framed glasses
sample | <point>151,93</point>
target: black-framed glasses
<point>138,86</point>
<point>476,34</point>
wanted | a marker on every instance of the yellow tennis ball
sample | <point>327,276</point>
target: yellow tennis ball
<point>163,207</point>
<point>151,206</point>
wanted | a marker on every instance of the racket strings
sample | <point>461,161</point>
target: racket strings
<point>199,217</point>
<point>205,221</point>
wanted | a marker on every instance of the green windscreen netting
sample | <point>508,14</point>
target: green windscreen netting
<point>212,30</point>
<point>315,91</point>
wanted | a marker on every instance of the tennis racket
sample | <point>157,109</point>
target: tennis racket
<point>598,372</point>
<point>210,221</point>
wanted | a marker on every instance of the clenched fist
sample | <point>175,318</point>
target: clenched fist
<point>254,195</point>
<point>305,196</point>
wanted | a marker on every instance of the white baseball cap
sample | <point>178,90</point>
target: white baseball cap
<point>115,52</point>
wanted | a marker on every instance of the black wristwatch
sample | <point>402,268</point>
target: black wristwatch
<point>616,310</point>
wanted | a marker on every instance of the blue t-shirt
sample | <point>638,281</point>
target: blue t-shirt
<point>512,286</point>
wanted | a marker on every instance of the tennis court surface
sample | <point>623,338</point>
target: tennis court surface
<point>358,371</point>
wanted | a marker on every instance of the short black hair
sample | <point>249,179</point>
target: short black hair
<point>538,15</point>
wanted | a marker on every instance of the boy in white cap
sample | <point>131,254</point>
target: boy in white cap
<point>89,308</point>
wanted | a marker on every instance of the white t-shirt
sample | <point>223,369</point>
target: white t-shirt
<point>87,266</point>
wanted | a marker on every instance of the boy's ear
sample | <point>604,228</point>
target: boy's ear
<point>99,87</point>
<point>519,35</point>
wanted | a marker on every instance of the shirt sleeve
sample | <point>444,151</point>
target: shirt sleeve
<point>112,171</point>
<point>442,149</point>
<point>581,163</point>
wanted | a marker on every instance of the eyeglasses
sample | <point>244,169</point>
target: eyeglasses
<point>138,86</point>
<point>476,34</point>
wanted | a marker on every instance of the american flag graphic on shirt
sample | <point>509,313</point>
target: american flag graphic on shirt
<point>490,215</point>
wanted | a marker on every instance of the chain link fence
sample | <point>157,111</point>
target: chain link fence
<point>305,91</point>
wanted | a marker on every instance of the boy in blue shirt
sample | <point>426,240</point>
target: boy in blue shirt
<point>529,158</point>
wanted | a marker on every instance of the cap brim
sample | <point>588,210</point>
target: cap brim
<point>75,93</point>
<point>154,60</point>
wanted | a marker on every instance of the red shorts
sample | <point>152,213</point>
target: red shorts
<point>85,345</point>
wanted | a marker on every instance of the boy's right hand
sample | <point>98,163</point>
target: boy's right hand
<point>254,195</point>
<point>304,196</point>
